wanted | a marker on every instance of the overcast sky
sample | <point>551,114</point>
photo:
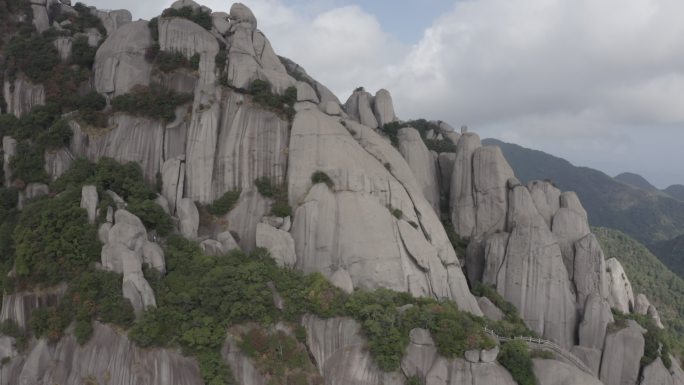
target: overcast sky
<point>598,82</point>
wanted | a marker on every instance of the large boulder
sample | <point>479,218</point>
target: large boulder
<point>621,295</point>
<point>189,218</point>
<point>551,372</point>
<point>279,244</point>
<point>358,107</point>
<point>113,20</point>
<point>462,201</point>
<point>419,158</point>
<point>622,354</point>
<point>89,200</point>
<point>138,291</point>
<point>656,373</point>
<point>589,270</point>
<point>491,173</point>
<point>120,62</point>
<point>22,95</point>
<point>383,107</point>
<point>597,316</point>
<point>546,198</point>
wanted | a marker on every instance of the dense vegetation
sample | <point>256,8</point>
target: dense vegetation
<point>152,102</point>
<point>278,192</point>
<point>512,325</point>
<point>282,105</point>
<point>515,357</point>
<point>649,276</point>
<point>225,203</point>
<point>423,127</point>
<point>170,61</point>
<point>197,16</point>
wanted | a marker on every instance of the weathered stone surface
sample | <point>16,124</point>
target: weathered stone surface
<point>31,192</point>
<point>252,144</point>
<point>153,256</point>
<point>342,280</point>
<point>383,107</point>
<point>220,22</point>
<point>305,93</point>
<point>89,201</point>
<point>570,200</point>
<point>338,348</point>
<point>597,316</point>
<point>57,162</point>
<point>163,203</point>
<point>212,247</point>
<point>9,149</point>
<point>489,309</point>
<point>113,20</point>
<point>22,96</point>
<point>551,372</point>
<point>129,139</point>
<point>279,243</point>
<point>653,313</point>
<point>533,276</point>
<point>17,307</point>
<point>589,272</point>
<point>139,292</point>
<point>173,181</point>
<point>446,167</point>
<point>490,175</point>
<point>462,201</point>
<point>358,107</point>
<point>189,218</point>
<point>621,295</point>
<point>41,20</point>
<point>622,353</point>
<point>63,45</point>
<point>244,370</point>
<point>120,62</point>
<point>103,232</point>
<point>239,13</point>
<point>591,357</point>
<point>460,372</point>
<point>331,108</point>
<point>472,356</point>
<point>228,243</point>
<point>296,71</point>
<point>244,217</point>
<point>418,157</point>
<point>489,356</point>
<point>569,226</point>
<point>546,198</point>
<point>107,358</point>
<point>421,353</point>
<point>351,227</point>
<point>656,373</point>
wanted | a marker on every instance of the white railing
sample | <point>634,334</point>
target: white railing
<point>544,344</point>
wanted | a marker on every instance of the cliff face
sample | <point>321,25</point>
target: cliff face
<point>374,221</point>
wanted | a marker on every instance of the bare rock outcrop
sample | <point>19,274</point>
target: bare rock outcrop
<point>120,62</point>
<point>113,20</point>
<point>383,108</point>
<point>22,95</point>
<point>358,107</point>
<point>89,200</point>
<point>419,158</point>
<point>597,316</point>
<point>462,201</point>
<point>107,358</point>
<point>550,372</point>
<point>17,307</point>
<point>656,373</point>
<point>279,244</point>
<point>622,353</point>
<point>621,295</point>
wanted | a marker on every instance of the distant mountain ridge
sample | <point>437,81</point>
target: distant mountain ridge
<point>636,180</point>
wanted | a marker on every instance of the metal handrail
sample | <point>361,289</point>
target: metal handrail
<point>545,344</point>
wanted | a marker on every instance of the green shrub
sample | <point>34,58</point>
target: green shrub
<point>265,187</point>
<point>92,101</point>
<point>57,136</point>
<point>83,330</point>
<point>170,61</point>
<point>124,179</point>
<point>35,56</point>
<point>199,17</point>
<point>515,357</point>
<point>321,177</point>
<point>423,127</point>
<point>269,189</point>
<point>397,213</point>
<point>543,354</point>
<point>281,209</point>
<point>11,329</point>
<point>152,216</point>
<point>283,105</point>
<point>152,102</point>
<point>28,164</point>
<point>84,20</point>
<point>223,205</point>
<point>153,25</point>
<point>82,53</point>
<point>414,380</point>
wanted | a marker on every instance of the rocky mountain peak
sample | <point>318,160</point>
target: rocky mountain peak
<point>189,151</point>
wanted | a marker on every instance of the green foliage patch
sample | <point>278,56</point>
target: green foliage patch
<point>516,358</point>
<point>423,127</point>
<point>151,102</point>
<point>282,105</point>
<point>278,192</point>
<point>225,203</point>
<point>197,16</point>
